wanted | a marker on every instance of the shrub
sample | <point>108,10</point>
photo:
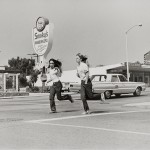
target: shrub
<point>34,89</point>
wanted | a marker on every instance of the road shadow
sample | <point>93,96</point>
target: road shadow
<point>127,96</point>
<point>123,96</point>
<point>68,111</point>
<point>98,112</point>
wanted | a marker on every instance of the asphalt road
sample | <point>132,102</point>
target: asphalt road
<point>123,124</point>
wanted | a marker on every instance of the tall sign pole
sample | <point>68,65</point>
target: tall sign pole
<point>42,39</point>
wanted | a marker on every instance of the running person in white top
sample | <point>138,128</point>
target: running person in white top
<point>86,85</point>
<point>56,87</point>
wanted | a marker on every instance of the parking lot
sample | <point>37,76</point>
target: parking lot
<point>124,123</point>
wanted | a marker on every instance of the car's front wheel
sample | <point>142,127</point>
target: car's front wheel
<point>107,94</point>
<point>137,92</point>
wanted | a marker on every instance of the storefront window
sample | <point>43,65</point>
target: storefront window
<point>10,82</point>
<point>140,79</point>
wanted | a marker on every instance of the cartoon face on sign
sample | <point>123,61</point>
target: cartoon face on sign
<point>41,23</point>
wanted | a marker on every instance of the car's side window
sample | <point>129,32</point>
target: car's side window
<point>96,78</point>
<point>114,79</point>
<point>103,78</point>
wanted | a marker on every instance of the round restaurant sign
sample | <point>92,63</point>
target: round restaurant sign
<point>40,36</point>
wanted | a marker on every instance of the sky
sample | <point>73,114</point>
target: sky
<point>95,28</point>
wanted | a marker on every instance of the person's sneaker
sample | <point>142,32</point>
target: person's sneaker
<point>53,111</point>
<point>85,112</point>
<point>103,100</point>
<point>102,97</point>
<point>71,99</point>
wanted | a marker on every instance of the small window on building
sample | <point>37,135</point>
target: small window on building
<point>140,79</point>
<point>135,79</point>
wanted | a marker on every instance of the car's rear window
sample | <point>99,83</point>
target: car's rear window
<point>114,78</point>
<point>122,78</point>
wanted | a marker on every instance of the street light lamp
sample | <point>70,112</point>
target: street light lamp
<point>127,63</point>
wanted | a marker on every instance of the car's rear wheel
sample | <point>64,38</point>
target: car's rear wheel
<point>107,94</point>
<point>137,92</point>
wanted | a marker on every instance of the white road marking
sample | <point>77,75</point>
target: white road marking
<point>83,116</point>
<point>138,104</point>
<point>96,128</point>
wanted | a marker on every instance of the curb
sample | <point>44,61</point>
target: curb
<point>38,94</point>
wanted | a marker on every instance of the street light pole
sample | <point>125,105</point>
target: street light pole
<point>127,62</point>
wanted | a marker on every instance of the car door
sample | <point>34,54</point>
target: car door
<point>99,83</point>
<point>95,79</point>
<point>118,86</point>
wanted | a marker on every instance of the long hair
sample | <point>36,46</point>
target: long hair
<point>57,64</point>
<point>83,58</point>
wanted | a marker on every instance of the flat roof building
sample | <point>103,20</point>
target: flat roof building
<point>138,72</point>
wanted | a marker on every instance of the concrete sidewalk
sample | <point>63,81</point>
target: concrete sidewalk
<point>38,94</point>
<point>33,95</point>
<point>47,94</point>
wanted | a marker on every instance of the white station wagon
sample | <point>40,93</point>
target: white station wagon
<point>110,84</point>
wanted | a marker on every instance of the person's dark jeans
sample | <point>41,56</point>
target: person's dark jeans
<point>56,89</point>
<point>86,93</point>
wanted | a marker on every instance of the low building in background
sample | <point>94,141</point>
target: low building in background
<point>138,73</point>
<point>9,83</point>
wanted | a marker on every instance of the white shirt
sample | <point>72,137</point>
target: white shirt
<point>54,75</point>
<point>82,69</point>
